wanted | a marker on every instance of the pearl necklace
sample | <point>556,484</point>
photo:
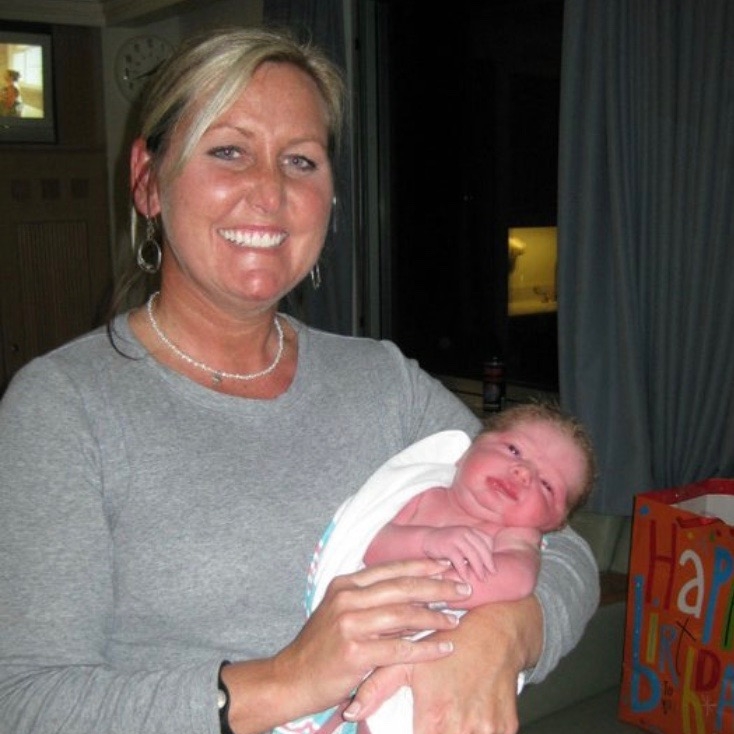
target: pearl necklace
<point>217,375</point>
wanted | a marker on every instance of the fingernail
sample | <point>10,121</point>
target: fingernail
<point>351,711</point>
<point>464,589</point>
<point>446,646</point>
<point>437,606</point>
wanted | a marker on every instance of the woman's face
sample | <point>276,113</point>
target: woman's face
<point>246,217</point>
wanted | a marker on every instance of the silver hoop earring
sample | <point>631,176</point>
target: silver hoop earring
<point>149,253</point>
<point>333,216</point>
<point>316,277</point>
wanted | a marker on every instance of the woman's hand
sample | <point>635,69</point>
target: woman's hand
<point>360,625</point>
<point>474,691</point>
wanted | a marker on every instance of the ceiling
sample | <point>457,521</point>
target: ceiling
<point>89,12</point>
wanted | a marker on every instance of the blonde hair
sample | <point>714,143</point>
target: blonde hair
<point>548,412</point>
<point>208,72</point>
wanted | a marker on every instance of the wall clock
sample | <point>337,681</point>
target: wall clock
<point>137,60</point>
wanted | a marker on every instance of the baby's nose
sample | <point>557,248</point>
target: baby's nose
<point>522,473</point>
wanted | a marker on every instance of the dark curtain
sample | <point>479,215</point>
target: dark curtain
<point>646,240</point>
<point>331,307</point>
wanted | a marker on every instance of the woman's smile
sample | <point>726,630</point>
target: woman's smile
<point>261,240</point>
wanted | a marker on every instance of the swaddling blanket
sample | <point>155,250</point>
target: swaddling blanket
<point>425,464</point>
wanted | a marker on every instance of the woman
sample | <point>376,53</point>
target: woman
<point>164,484</point>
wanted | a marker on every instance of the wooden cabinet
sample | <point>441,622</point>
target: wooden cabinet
<point>54,217</point>
<point>54,251</point>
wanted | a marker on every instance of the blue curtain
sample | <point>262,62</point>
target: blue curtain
<point>646,239</point>
<point>331,307</point>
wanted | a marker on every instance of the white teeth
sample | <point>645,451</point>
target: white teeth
<point>253,239</point>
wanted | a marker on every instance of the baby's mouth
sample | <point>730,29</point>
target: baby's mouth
<point>504,489</point>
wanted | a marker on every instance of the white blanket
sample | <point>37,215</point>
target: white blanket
<point>427,463</point>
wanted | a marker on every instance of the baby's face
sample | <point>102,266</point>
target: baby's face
<point>523,477</point>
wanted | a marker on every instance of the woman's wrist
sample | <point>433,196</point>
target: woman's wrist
<point>513,630</point>
<point>261,696</point>
<point>223,701</point>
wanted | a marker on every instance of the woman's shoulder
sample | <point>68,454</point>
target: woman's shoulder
<point>376,374</point>
<point>349,348</point>
<point>81,360</point>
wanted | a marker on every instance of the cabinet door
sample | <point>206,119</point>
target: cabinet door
<point>54,252</point>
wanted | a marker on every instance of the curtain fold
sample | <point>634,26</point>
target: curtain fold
<point>646,239</point>
<point>331,307</point>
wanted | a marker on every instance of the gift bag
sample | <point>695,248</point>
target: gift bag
<point>678,663</point>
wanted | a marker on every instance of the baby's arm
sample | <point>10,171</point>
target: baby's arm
<point>516,559</point>
<point>468,548</point>
<point>411,534</point>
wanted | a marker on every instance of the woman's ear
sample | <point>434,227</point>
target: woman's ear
<point>142,180</point>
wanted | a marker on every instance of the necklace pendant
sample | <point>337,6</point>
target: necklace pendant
<point>217,378</point>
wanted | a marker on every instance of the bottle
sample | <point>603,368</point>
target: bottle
<point>493,385</point>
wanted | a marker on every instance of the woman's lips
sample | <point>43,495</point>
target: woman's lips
<point>250,238</point>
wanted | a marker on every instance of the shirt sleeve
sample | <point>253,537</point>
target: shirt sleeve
<point>568,592</point>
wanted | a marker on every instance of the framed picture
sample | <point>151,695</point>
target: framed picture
<point>27,112</point>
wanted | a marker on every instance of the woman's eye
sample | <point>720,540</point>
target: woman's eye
<point>513,449</point>
<point>300,163</point>
<point>226,152</point>
<point>547,486</point>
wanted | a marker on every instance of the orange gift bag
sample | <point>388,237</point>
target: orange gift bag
<point>678,663</point>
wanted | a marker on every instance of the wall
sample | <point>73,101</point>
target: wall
<point>532,270</point>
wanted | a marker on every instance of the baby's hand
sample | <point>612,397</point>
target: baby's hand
<point>469,550</point>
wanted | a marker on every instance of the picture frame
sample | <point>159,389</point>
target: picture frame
<point>27,110</point>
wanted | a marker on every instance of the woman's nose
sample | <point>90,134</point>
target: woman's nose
<point>266,191</point>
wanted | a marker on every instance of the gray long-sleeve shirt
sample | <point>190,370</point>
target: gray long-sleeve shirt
<point>151,528</point>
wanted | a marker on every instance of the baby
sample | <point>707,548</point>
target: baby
<point>520,478</point>
<point>523,476</point>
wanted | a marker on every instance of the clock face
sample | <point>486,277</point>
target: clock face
<point>137,60</point>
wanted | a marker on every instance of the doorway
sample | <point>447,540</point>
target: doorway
<point>467,149</point>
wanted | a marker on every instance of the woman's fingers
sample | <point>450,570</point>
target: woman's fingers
<point>361,624</point>
<point>392,621</point>
<point>419,567</point>
<point>400,582</point>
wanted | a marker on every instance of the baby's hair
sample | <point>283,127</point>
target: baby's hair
<point>549,412</point>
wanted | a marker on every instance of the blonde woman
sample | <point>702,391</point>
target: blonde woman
<point>163,480</point>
